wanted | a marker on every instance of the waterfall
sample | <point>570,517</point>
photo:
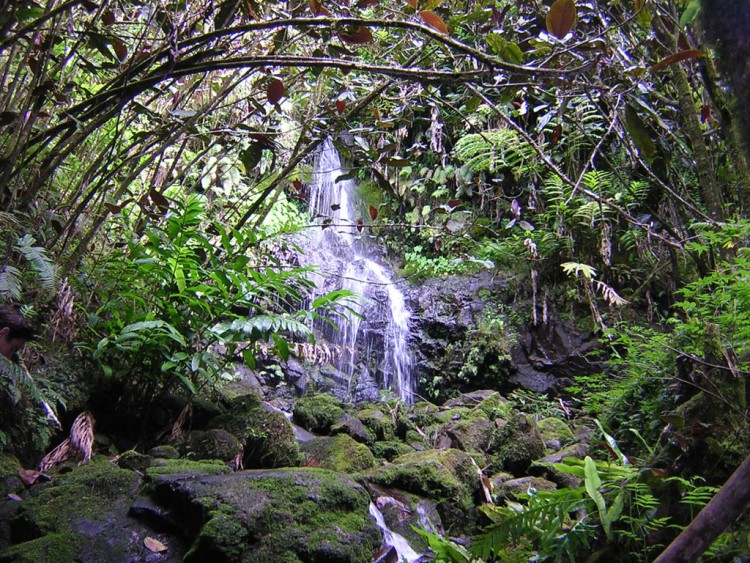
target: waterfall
<point>403,550</point>
<point>341,248</point>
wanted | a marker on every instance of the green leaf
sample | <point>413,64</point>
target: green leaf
<point>509,51</point>
<point>612,514</point>
<point>592,484</point>
<point>640,134</point>
<point>575,268</point>
<point>282,347</point>
<point>690,13</point>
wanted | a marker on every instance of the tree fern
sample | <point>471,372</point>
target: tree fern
<point>495,150</point>
<point>10,284</point>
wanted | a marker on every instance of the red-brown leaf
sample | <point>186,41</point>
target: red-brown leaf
<point>706,113</point>
<point>120,49</point>
<point>317,9</point>
<point>561,18</point>
<point>360,225</point>
<point>356,36</point>
<point>29,476</point>
<point>373,213</point>
<point>275,90</point>
<point>454,203</point>
<point>433,20</point>
<point>113,208</point>
<point>108,18</point>
<point>676,58</point>
<point>412,3</point>
<point>367,3</point>
<point>159,200</point>
<point>555,137</point>
<point>340,106</point>
<point>297,185</point>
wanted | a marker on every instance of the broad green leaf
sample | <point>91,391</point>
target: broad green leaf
<point>592,484</point>
<point>690,13</point>
<point>640,134</point>
<point>613,513</point>
<point>282,347</point>
<point>575,268</point>
<point>507,50</point>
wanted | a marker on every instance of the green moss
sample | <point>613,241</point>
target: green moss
<point>448,477</point>
<point>456,413</point>
<point>215,443</point>
<point>555,429</point>
<point>222,538</point>
<point>134,461</point>
<point>378,423</point>
<point>317,413</point>
<point>494,406</point>
<point>516,445</point>
<point>100,477</point>
<point>390,450</point>
<point>176,466</point>
<point>338,453</point>
<point>58,547</point>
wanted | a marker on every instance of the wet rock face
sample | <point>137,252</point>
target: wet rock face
<point>467,333</point>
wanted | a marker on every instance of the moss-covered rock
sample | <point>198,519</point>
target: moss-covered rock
<point>353,427</point>
<point>378,423</point>
<point>134,461</point>
<point>215,443</point>
<point>517,444</point>
<point>338,453</point>
<point>82,516</point>
<point>187,467</point>
<point>494,406</point>
<point>285,515</point>
<point>554,430</point>
<point>447,477</point>
<point>473,435</point>
<point>390,450</point>
<point>317,413</point>
<point>512,488</point>
<point>267,436</point>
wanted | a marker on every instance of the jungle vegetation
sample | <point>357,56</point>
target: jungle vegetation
<point>154,153</point>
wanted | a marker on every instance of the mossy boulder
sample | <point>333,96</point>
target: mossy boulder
<point>472,435</point>
<point>215,443</point>
<point>83,516</point>
<point>353,427</point>
<point>494,406</point>
<point>134,461</point>
<point>449,477</point>
<point>390,450</point>
<point>269,516</point>
<point>471,399</point>
<point>554,431</point>
<point>378,423</point>
<point>317,413</point>
<point>267,436</point>
<point>338,453</point>
<point>187,467</point>
<point>512,488</point>
<point>164,452</point>
<point>517,444</point>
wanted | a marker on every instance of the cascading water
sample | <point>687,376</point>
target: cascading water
<point>346,263</point>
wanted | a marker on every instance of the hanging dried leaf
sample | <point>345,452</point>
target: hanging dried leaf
<point>454,203</point>
<point>561,18</point>
<point>356,35</point>
<point>412,3</point>
<point>367,3</point>
<point>555,137</point>
<point>360,225</point>
<point>335,207</point>
<point>706,113</point>
<point>114,209</point>
<point>433,20</point>
<point>154,545</point>
<point>676,58</point>
<point>120,49</point>
<point>317,9</point>
<point>640,134</point>
<point>340,106</point>
<point>297,185</point>
<point>275,90</point>
<point>373,213</point>
<point>159,200</point>
<point>108,18</point>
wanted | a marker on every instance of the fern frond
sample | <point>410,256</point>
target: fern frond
<point>42,264</point>
<point>10,284</point>
<point>496,149</point>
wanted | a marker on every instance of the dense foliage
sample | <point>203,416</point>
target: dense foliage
<point>153,157</point>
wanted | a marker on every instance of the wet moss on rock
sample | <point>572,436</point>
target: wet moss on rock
<point>338,453</point>
<point>317,413</point>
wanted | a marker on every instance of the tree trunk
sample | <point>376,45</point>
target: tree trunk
<point>716,516</point>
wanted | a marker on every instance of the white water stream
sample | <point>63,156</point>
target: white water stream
<point>342,245</point>
<point>397,541</point>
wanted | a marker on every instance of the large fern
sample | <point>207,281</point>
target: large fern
<point>44,268</point>
<point>495,150</point>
